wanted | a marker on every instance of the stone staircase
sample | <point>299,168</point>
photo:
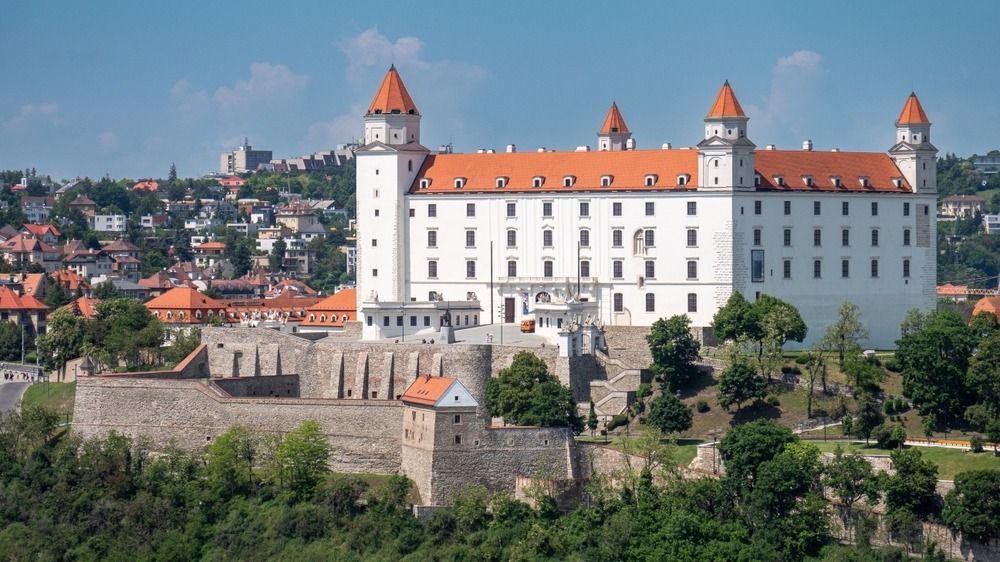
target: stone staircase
<point>612,395</point>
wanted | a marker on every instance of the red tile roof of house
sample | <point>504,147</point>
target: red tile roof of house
<point>210,246</point>
<point>32,283</point>
<point>184,298</point>
<point>949,290</point>
<point>146,185</point>
<point>427,390</point>
<point>85,307</point>
<point>726,104</point>
<point>40,230</point>
<point>392,96</point>
<point>21,244</point>
<point>290,286</point>
<point>158,280</point>
<point>913,112</point>
<point>614,122</point>
<point>9,300</point>
<point>331,310</point>
<point>69,279</point>
<point>121,246</point>
<point>987,304</point>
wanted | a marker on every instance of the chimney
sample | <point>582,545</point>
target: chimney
<point>770,147</point>
<point>583,148</point>
<point>541,149</point>
<point>807,145</point>
<point>511,148</point>
<point>666,146</point>
<point>630,144</point>
<point>834,150</point>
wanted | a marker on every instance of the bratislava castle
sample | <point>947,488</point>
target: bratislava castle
<point>620,236</point>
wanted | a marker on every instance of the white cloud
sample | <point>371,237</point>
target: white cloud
<point>791,98</point>
<point>439,87</point>
<point>47,113</point>
<point>268,82</point>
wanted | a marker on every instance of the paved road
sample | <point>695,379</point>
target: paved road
<point>10,394</point>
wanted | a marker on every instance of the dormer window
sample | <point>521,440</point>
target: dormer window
<point>502,182</point>
<point>424,183</point>
<point>756,180</point>
<point>865,181</point>
<point>568,181</point>
<point>836,181</point>
<point>459,183</point>
<point>898,182</point>
<point>807,180</point>
<point>537,181</point>
<point>650,180</point>
<point>682,179</point>
<point>606,181</point>
<point>780,180</point>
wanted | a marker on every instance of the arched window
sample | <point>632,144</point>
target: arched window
<point>682,179</point>
<point>459,183</point>
<point>501,182</point>
<point>322,317</point>
<point>537,181</point>
<point>606,181</point>
<point>650,180</point>
<point>568,181</point>
<point>425,183</point>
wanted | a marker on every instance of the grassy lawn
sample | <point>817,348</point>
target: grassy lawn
<point>55,396</point>
<point>949,461</point>
<point>684,449</point>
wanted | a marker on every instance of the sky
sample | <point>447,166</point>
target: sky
<point>126,88</point>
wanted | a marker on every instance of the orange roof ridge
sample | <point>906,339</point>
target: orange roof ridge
<point>614,122</point>
<point>726,104</point>
<point>913,112</point>
<point>392,96</point>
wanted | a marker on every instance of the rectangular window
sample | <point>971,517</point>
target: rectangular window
<point>845,268</point>
<point>906,209</point>
<point>692,269</point>
<point>385,320</point>
<point>906,268</point>
<point>413,322</point>
<point>374,273</point>
<point>650,269</point>
<point>845,208</point>
<point>650,302</point>
<point>616,269</point>
<point>584,268</point>
<point>616,209</point>
<point>470,238</point>
<point>692,235</point>
<point>817,269</point>
<point>413,212</point>
<point>399,321</point>
<point>458,439</point>
<point>432,239</point>
<point>584,209</point>
<point>817,237</point>
<point>547,268</point>
<point>616,238</point>
<point>547,209</point>
<point>432,210</point>
<point>845,237</point>
<point>511,238</point>
<point>470,209</point>
<point>692,208</point>
<point>816,207</point>
<point>619,301</point>
<point>874,237</point>
<point>650,238</point>
<point>692,302</point>
<point>788,207</point>
<point>787,237</point>
<point>511,209</point>
<point>906,236</point>
<point>874,268</point>
<point>374,242</point>
<point>369,319</point>
<point>650,209</point>
<point>584,238</point>
<point>432,269</point>
<point>874,208</point>
<point>427,320</point>
<point>786,269</point>
<point>511,268</point>
<point>756,237</point>
<point>757,266</point>
<point>470,269</point>
<point>547,238</point>
<point>757,207</point>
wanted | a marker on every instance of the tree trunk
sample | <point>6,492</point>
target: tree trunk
<point>823,379</point>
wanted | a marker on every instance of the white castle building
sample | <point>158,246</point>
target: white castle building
<point>622,236</point>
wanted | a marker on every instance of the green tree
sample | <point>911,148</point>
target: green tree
<point>172,174</point>
<point>526,394</point>
<point>847,332</point>
<point>984,373</point>
<point>973,507</point>
<point>277,255</point>
<point>669,414</point>
<point>106,290</point>
<point>869,416</point>
<point>740,383</point>
<point>934,360</point>
<point>592,419</point>
<point>674,351</point>
<point>911,489</point>
<point>737,318</point>
<point>10,341</point>
<point>984,324</point>
<point>301,458</point>
<point>230,460</point>
<point>862,373</point>
<point>63,340</point>
<point>851,478</point>
<point>749,445</point>
<point>57,296</point>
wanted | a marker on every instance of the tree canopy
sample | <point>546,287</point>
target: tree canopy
<point>526,394</point>
<point>674,350</point>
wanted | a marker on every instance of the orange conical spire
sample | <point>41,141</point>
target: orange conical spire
<point>726,104</point>
<point>614,122</point>
<point>392,96</point>
<point>913,112</point>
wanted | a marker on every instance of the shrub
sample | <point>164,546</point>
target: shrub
<point>889,436</point>
<point>786,370</point>
<point>772,401</point>
<point>702,406</point>
<point>644,390</point>
<point>802,359</point>
<point>617,421</point>
<point>889,407</point>
<point>892,364</point>
<point>639,407</point>
<point>796,371</point>
<point>901,405</point>
<point>976,444</point>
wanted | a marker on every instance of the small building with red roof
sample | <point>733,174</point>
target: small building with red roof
<point>332,312</point>
<point>146,185</point>
<point>23,310</point>
<point>184,305</point>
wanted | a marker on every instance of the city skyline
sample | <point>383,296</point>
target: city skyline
<point>125,91</point>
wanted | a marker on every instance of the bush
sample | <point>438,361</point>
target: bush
<point>889,436</point>
<point>617,421</point>
<point>786,370</point>
<point>644,390</point>
<point>976,444</point>
<point>802,359</point>
<point>702,406</point>
<point>796,371</point>
<point>889,407</point>
<point>639,407</point>
<point>892,364</point>
<point>901,405</point>
<point>772,401</point>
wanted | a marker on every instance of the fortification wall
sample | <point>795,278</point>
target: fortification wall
<point>364,434</point>
<point>280,386</point>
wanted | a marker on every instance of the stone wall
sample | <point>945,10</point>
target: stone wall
<point>279,386</point>
<point>628,344</point>
<point>364,434</point>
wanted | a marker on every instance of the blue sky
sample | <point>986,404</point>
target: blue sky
<point>126,88</point>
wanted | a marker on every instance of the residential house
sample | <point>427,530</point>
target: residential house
<point>289,287</point>
<point>146,185</point>
<point>24,311</point>
<point>184,305</point>
<point>44,232</point>
<point>37,208</point>
<point>24,249</point>
<point>89,263</point>
<point>126,289</point>
<point>961,206</point>
<point>312,231</point>
<point>151,222</point>
<point>208,253</point>
<point>71,281</point>
<point>69,188</point>
<point>332,312</point>
<point>108,223</point>
<point>296,216</point>
<point>85,205</point>
<point>991,224</point>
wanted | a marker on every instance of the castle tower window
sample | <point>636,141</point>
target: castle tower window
<point>568,181</point>
<point>459,183</point>
<point>606,181</point>
<point>425,183</point>
<point>547,269</point>
<point>650,180</point>
<point>537,181</point>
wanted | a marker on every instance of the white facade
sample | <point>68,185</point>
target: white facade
<point>625,255</point>
<point>107,223</point>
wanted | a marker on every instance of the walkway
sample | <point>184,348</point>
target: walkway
<point>10,394</point>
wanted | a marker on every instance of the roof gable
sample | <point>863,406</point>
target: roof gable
<point>439,392</point>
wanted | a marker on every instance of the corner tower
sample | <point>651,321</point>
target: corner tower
<point>392,117</point>
<point>913,152</point>
<point>725,156</point>
<point>614,134</point>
